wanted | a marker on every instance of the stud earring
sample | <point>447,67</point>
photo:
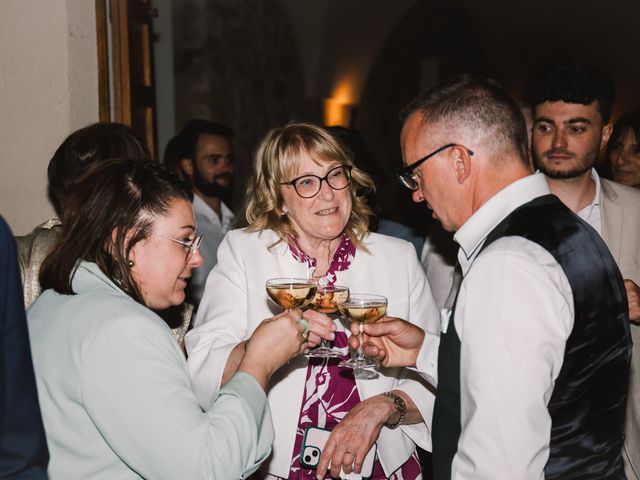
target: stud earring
<point>131,264</point>
<point>285,211</point>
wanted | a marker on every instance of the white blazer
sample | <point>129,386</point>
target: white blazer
<point>235,302</point>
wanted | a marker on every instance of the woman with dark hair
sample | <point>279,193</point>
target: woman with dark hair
<point>114,389</point>
<point>79,151</point>
<point>307,220</point>
<point>623,153</point>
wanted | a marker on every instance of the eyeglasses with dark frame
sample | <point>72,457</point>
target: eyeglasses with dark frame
<point>192,246</point>
<point>406,175</point>
<point>308,186</point>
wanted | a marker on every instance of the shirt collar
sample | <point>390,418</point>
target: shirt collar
<point>596,198</point>
<point>88,275</point>
<point>472,233</point>
<point>200,206</point>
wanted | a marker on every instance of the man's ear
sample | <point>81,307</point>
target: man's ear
<point>606,135</point>
<point>187,167</point>
<point>461,162</point>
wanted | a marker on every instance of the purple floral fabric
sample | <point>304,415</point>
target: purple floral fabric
<point>341,259</point>
<point>330,391</point>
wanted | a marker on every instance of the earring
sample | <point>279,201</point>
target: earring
<point>285,211</point>
<point>131,264</point>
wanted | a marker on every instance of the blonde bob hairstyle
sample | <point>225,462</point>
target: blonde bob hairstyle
<point>275,162</point>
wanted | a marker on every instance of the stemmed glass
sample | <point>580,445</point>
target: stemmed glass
<point>363,308</point>
<point>290,293</point>
<point>327,300</point>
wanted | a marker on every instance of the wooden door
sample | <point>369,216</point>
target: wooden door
<point>126,83</point>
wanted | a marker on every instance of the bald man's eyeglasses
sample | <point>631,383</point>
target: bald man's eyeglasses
<point>406,175</point>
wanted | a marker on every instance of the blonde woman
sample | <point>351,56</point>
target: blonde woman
<point>306,220</point>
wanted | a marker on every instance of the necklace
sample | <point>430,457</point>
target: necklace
<point>341,260</point>
<point>315,275</point>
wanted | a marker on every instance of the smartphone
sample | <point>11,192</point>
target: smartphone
<point>312,445</point>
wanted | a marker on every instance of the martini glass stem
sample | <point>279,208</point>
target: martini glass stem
<point>360,355</point>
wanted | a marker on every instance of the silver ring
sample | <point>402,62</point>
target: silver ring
<point>305,324</point>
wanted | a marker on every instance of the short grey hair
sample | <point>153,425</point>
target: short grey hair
<point>477,107</point>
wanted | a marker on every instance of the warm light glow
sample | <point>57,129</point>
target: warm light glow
<point>336,113</point>
<point>338,108</point>
<point>343,91</point>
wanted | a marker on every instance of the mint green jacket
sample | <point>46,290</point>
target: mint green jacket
<point>116,397</point>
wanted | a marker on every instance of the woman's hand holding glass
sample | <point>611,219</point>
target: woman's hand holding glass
<point>328,300</point>
<point>291,293</point>
<point>321,328</point>
<point>276,341</point>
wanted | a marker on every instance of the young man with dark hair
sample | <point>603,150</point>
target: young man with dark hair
<point>571,127</point>
<point>207,160</point>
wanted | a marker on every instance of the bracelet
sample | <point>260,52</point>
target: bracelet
<point>401,407</point>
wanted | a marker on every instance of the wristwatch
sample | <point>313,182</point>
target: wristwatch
<point>401,407</point>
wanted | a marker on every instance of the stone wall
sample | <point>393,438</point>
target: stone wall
<point>237,62</point>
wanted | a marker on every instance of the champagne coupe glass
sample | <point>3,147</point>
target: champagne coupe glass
<point>290,293</point>
<point>327,300</point>
<point>363,308</point>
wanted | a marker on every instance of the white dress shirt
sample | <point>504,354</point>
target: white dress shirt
<point>213,228</point>
<point>591,213</point>
<point>513,316</point>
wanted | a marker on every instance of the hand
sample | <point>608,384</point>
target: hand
<point>391,341</point>
<point>321,326</point>
<point>273,343</point>
<point>633,297</point>
<point>353,437</point>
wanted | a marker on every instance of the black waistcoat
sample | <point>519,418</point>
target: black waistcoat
<point>587,406</point>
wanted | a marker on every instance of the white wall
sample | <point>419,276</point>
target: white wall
<point>48,88</point>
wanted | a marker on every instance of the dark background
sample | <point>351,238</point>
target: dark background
<point>257,64</point>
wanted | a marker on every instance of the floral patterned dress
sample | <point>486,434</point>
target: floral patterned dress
<point>330,391</point>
